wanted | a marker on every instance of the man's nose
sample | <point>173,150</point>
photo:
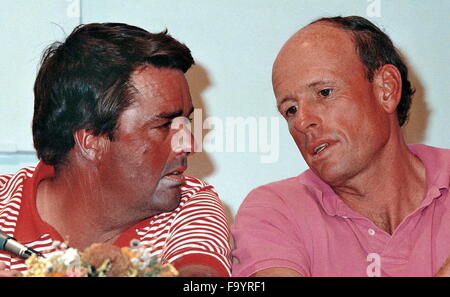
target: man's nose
<point>307,118</point>
<point>182,140</point>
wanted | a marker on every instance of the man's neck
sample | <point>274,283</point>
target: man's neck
<point>75,205</point>
<point>389,190</point>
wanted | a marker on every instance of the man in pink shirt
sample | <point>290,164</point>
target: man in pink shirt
<point>370,205</point>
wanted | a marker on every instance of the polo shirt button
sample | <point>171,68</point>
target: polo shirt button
<point>371,231</point>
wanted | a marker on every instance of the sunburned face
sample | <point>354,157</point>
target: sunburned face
<point>330,107</point>
<point>141,162</point>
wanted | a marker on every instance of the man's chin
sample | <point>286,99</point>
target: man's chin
<point>167,197</point>
<point>334,176</point>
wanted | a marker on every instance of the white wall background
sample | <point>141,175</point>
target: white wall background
<point>234,44</point>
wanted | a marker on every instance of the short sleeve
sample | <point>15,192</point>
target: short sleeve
<point>4,179</point>
<point>266,236</point>
<point>200,234</point>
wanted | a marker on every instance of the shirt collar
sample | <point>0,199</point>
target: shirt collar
<point>437,170</point>
<point>30,226</point>
<point>328,199</point>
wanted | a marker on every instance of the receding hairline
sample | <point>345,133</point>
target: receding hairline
<point>320,23</point>
<point>299,36</point>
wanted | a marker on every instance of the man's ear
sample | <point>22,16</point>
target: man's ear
<point>388,85</point>
<point>90,146</point>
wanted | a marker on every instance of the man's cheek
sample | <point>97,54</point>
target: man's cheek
<point>156,162</point>
<point>299,141</point>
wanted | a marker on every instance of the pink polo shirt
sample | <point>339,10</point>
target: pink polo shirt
<point>301,224</point>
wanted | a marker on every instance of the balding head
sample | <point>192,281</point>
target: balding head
<point>319,45</point>
<point>373,47</point>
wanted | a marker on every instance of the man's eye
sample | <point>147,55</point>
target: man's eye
<point>166,125</point>
<point>325,92</point>
<point>291,110</point>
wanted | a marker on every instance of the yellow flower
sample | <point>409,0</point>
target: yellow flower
<point>130,253</point>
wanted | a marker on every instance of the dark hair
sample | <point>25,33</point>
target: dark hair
<point>83,83</point>
<point>376,49</point>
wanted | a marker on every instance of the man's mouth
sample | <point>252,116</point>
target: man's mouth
<point>176,176</point>
<point>317,147</point>
<point>320,148</point>
<point>176,173</point>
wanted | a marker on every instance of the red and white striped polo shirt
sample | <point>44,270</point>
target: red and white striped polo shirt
<point>195,232</point>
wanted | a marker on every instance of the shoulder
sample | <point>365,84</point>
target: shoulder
<point>196,190</point>
<point>200,200</point>
<point>426,151</point>
<point>436,162</point>
<point>23,173</point>
<point>192,183</point>
<point>11,183</point>
<point>302,191</point>
<point>198,232</point>
<point>11,196</point>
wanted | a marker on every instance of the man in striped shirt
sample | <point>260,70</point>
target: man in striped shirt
<point>110,103</point>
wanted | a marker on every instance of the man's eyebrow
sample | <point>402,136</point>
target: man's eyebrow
<point>319,82</point>
<point>282,101</point>
<point>170,115</point>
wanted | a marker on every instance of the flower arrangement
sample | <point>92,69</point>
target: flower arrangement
<point>99,260</point>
